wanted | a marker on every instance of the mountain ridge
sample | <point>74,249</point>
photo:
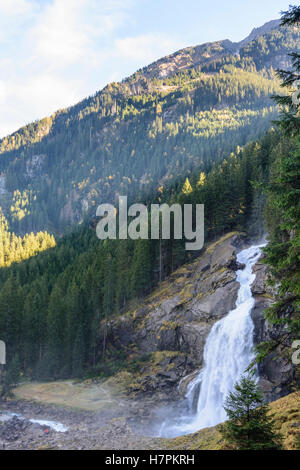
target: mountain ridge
<point>232,46</point>
<point>143,132</point>
<point>225,45</point>
<point>259,31</point>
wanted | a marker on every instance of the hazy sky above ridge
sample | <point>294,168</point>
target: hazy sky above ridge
<point>55,52</point>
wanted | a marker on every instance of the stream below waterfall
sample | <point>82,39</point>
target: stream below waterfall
<point>56,426</point>
<point>227,353</point>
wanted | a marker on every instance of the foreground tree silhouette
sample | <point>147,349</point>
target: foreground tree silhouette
<point>249,427</point>
<point>282,211</point>
<point>290,117</point>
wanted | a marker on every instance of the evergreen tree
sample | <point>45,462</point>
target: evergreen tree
<point>140,271</point>
<point>10,377</point>
<point>123,274</point>
<point>35,322</point>
<point>284,247</point>
<point>290,119</point>
<point>249,427</point>
<point>57,331</point>
<point>11,315</point>
<point>283,212</point>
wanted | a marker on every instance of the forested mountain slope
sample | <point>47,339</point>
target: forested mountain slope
<point>55,307</point>
<point>182,113</point>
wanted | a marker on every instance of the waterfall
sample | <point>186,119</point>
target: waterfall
<point>228,352</point>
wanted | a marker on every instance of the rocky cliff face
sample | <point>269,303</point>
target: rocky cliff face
<point>171,326</point>
<point>256,32</point>
<point>203,54</point>
<point>277,372</point>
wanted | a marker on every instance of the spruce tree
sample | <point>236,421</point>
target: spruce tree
<point>141,268</point>
<point>11,377</point>
<point>122,274</point>
<point>250,426</point>
<point>289,120</point>
<point>283,209</point>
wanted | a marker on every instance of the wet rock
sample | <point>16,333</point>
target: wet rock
<point>169,305</point>
<point>179,315</point>
<point>259,284</point>
<point>234,265</point>
<point>205,268</point>
<point>277,372</point>
<point>186,381</point>
<point>266,385</point>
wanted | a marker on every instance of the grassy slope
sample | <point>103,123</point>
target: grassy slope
<point>286,412</point>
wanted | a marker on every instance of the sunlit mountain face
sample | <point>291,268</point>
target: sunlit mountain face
<point>184,112</point>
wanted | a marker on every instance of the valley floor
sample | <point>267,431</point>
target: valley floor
<point>97,418</point>
<point>94,416</point>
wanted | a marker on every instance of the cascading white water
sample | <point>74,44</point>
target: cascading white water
<point>227,354</point>
<point>58,427</point>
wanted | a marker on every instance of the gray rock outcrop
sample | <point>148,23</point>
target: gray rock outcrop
<point>277,372</point>
<point>172,325</point>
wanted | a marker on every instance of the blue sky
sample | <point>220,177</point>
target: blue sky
<point>55,52</point>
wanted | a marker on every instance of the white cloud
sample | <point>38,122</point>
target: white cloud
<point>3,93</point>
<point>14,7</point>
<point>146,47</point>
<point>59,36</point>
<point>46,91</point>
<point>36,97</point>
<point>49,51</point>
<point>56,52</point>
<point>69,31</point>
